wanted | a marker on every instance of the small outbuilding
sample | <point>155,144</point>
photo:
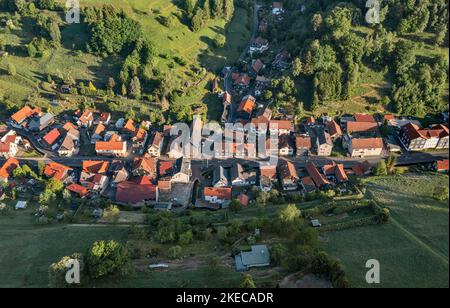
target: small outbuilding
<point>21,205</point>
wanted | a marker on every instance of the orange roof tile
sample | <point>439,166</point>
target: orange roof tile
<point>353,126</point>
<point>56,171</point>
<point>363,117</point>
<point>24,113</point>
<point>367,143</point>
<point>247,104</point>
<point>223,193</point>
<point>95,166</point>
<point>51,136</point>
<point>130,126</point>
<point>110,145</point>
<point>8,167</point>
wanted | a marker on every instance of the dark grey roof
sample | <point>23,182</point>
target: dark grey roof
<point>219,174</point>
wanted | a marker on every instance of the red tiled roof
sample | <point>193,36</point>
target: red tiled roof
<point>243,199</point>
<point>24,113</point>
<point>8,167</point>
<point>223,193</point>
<point>308,181</point>
<point>56,171</point>
<point>367,143</point>
<point>353,126</point>
<point>132,192</point>
<point>363,117</point>
<point>361,168</point>
<point>165,167</point>
<point>146,164</point>
<point>303,142</point>
<point>340,174</point>
<point>78,189</point>
<point>268,171</point>
<point>68,126</point>
<point>334,129</point>
<point>130,126</point>
<point>389,117</point>
<point>140,134</point>
<point>442,165</point>
<point>110,145</point>
<point>104,116</point>
<point>317,177</point>
<point>257,65</point>
<point>99,129</point>
<point>95,166</point>
<point>51,136</point>
<point>241,78</point>
<point>310,120</point>
<point>281,124</point>
<point>247,104</point>
<point>287,170</point>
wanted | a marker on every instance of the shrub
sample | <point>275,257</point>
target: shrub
<point>175,252</point>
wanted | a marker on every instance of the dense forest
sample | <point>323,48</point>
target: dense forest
<point>331,52</point>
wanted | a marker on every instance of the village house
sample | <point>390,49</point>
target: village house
<point>9,144</point>
<point>240,177</point>
<point>361,169</point>
<point>240,80</point>
<point>335,172</point>
<point>323,144</point>
<point>363,117</point>
<point>307,184</point>
<point>361,127</point>
<point>319,179</point>
<point>256,67</point>
<point>95,166</point>
<point>104,118</point>
<point>220,178</point>
<point>96,183</point>
<point>85,119</point>
<point>38,124</point>
<point>137,191</point>
<point>98,133</point>
<point>182,171</point>
<point>51,137</point>
<point>138,140</point>
<point>268,176</point>
<point>441,165</point>
<point>23,114</point>
<point>362,147</point>
<point>174,148</point>
<point>111,148</point>
<point>79,190</point>
<point>288,175</point>
<point>416,139</point>
<point>261,83</point>
<point>145,166</point>
<point>156,145</point>
<point>7,169</point>
<point>67,147</point>
<point>277,8</point>
<point>129,127</point>
<point>259,45</point>
<point>303,144</point>
<point>334,130</point>
<point>57,171</point>
<point>259,256</point>
<point>217,195</point>
<point>119,172</point>
<point>260,123</point>
<point>281,127</point>
<point>285,145</point>
<point>282,61</point>
<point>246,106</point>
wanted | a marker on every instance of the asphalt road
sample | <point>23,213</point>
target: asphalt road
<point>406,159</point>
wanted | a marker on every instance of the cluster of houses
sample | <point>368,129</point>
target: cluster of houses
<point>136,182</point>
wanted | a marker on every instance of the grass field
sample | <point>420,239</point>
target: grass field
<point>412,248</point>
<point>26,250</point>
<point>196,48</point>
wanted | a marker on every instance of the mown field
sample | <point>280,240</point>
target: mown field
<point>412,248</point>
<point>27,250</point>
